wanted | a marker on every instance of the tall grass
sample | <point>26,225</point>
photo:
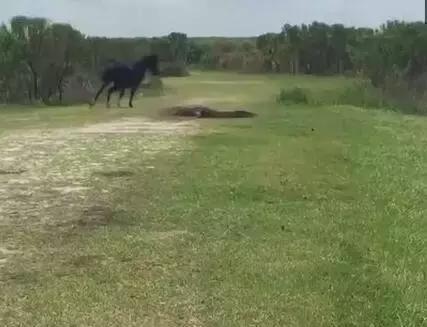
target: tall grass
<point>396,95</point>
<point>293,95</point>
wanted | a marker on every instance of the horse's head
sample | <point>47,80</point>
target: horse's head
<point>152,64</point>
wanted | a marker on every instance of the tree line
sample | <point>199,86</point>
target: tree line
<point>321,49</point>
<point>40,60</point>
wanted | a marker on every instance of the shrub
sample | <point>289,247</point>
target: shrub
<point>173,69</point>
<point>296,95</point>
<point>78,89</point>
<point>155,88</point>
<point>360,94</point>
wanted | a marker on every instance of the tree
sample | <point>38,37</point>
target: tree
<point>292,35</point>
<point>11,57</point>
<point>195,52</point>
<point>162,47</point>
<point>65,52</point>
<point>338,44</point>
<point>270,45</point>
<point>179,47</point>
<point>32,34</point>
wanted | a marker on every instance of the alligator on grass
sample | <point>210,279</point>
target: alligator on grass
<point>206,112</point>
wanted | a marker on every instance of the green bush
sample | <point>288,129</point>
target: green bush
<point>395,95</point>
<point>297,95</point>
<point>360,94</point>
<point>174,69</point>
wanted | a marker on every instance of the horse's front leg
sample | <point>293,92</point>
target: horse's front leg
<point>132,94</point>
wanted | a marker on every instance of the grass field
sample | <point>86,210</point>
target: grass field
<point>304,216</point>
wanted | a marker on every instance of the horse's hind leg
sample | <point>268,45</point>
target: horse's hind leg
<point>110,91</point>
<point>122,93</point>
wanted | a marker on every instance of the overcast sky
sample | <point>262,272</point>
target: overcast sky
<point>208,17</point>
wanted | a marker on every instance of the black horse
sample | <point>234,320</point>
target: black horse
<point>124,77</point>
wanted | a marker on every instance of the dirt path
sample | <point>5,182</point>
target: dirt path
<point>46,176</point>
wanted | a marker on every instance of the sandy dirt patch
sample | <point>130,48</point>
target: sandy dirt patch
<point>46,176</point>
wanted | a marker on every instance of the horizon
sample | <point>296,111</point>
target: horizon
<point>7,22</point>
<point>201,18</point>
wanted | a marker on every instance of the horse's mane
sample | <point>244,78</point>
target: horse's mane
<point>113,63</point>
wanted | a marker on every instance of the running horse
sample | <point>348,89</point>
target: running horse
<point>123,77</point>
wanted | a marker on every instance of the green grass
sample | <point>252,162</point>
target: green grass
<point>304,216</point>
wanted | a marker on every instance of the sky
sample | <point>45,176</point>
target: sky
<point>128,18</point>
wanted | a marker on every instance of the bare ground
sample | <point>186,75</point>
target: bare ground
<point>47,176</point>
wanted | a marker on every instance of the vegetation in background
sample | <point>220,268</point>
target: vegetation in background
<point>44,61</point>
<point>53,63</point>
